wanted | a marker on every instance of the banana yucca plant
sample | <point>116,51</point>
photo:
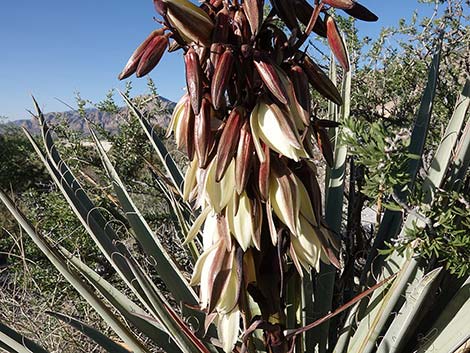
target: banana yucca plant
<point>248,128</point>
<point>250,200</point>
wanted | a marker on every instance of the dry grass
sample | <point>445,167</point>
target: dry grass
<point>23,308</point>
<point>23,303</point>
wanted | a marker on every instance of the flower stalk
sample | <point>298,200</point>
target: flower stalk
<point>248,128</point>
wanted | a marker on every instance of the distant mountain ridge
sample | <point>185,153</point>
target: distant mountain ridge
<point>109,121</point>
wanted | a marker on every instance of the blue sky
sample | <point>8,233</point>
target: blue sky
<point>54,48</point>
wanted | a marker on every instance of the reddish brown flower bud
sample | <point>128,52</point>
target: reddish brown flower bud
<point>152,55</point>
<point>270,77</point>
<point>192,23</point>
<point>189,137</point>
<point>325,145</point>
<point>244,157</point>
<point>242,27</point>
<point>228,141</point>
<point>320,81</point>
<point>215,3</point>
<point>301,88</point>
<point>133,61</point>
<point>340,4</point>
<point>361,13</point>
<point>336,43</point>
<point>203,138</point>
<point>304,12</point>
<point>263,176</point>
<point>220,80</point>
<point>280,44</point>
<point>216,50</point>
<point>307,174</point>
<point>160,7</point>
<point>222,27</point>
<point>254,13</point>
<point>193,79</point>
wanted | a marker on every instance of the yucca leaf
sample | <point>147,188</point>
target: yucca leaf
<point>113,295</point>
<point>15,342</point>
<point>461,160</point>
<point>179,209</point>
<point>55,159</point>
<point>165,157</point>
<point>333,215</point>
<point>333,115</point>
<point>383,302</point>
<point>86,292</point>
<point>292,334</point>
<point>421,125</point>
<point>4,339</point>
<point>450,331</point>
<point>392,220</point>
<point>93,221</point>
<point>90,217</point>
<point>434,179</point>
<point>126,307</point>
<point>442,158</point>
<point>167,189</point>
<point>308,306</point>
<point>350,323</point>
<point>104,341</point>
<point>407,318</point>
<point>166,268</point>
<point>183,336</point>
<point>92,227</point>
<point>184,221</point>
<point>334,200</point>
<point>373,318</point>
<point>4,346</point>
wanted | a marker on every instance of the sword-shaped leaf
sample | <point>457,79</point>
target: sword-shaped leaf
<point>14,342</point>
<point>442,158</point>
<point>165,267</point>
<point>103,340</point>
<point>85,291</point>
<point>165,157</point>
<point>126,307</point>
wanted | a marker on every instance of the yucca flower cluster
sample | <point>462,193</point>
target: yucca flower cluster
<point>247,125</point>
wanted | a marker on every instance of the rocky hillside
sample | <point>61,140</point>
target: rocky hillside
<point>110,121</point>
